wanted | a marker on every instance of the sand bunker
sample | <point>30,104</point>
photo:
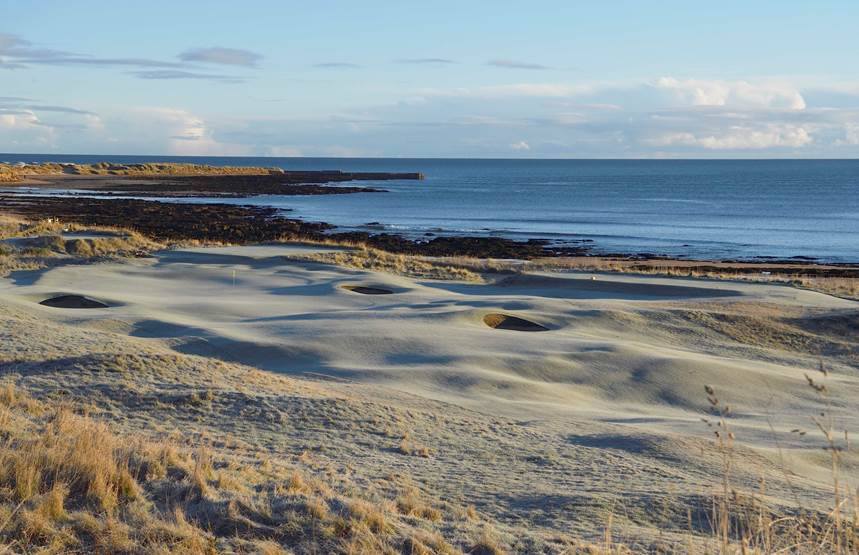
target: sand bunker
<point>367,290</point>
<point>506,322</point>
<point>73,301</point>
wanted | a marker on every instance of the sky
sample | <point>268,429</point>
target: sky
<point>471,78</point>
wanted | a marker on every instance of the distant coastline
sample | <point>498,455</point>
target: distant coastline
<point>775,211</point>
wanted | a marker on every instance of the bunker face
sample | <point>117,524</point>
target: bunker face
<point>506,322</point>
<point>73,301</point>
<point>367,290</point>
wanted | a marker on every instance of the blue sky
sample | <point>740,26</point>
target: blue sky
<point>550,79</point>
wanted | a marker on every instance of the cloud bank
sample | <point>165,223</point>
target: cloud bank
<point>660,117</point>
<point>426,61</point>
<point>169,74</point>
<point>18,53</point>
<point>336,65</point>
<point>222,56</point>
<point>734,93</point>
<point>513,64</point>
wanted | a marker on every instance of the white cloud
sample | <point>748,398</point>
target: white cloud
<point>666,117</point>
<point>666,92</point>
<point>484,120</point>
<point>601,106</point>
<point>281,151</point>
<point>18,119</point>
<point>737,138</point>
<point>93,122</point>
<point>734,94</point>
<point>176,131</point>
<point>851,134</point>
<point>23,130</point>
<point>520,146</point>
<point>44,120</point>
<point>569,118</point>
<point>515,64</point>
<point>150,130</point>
<point>545,90</point>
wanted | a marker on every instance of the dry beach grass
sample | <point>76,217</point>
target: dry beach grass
<point>368,258</point>
<point>28,245</point>
<point>788,274</point>
<point>17,172</point>
<point>70,484</point>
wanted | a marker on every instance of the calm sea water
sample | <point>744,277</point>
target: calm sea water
<point>689,208</point>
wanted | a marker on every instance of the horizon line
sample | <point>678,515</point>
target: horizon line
<point>418,157</point>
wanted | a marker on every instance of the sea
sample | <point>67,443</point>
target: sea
<point>695,209</point>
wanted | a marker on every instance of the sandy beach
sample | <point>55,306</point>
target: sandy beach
<point>545,431</point>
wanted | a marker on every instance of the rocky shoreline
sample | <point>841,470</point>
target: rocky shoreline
<point>169,221</point>
<point>214,222</point>
<point>242,224</point>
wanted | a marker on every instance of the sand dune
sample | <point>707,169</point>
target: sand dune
<point>624,338</point>
<point>605,401</point>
